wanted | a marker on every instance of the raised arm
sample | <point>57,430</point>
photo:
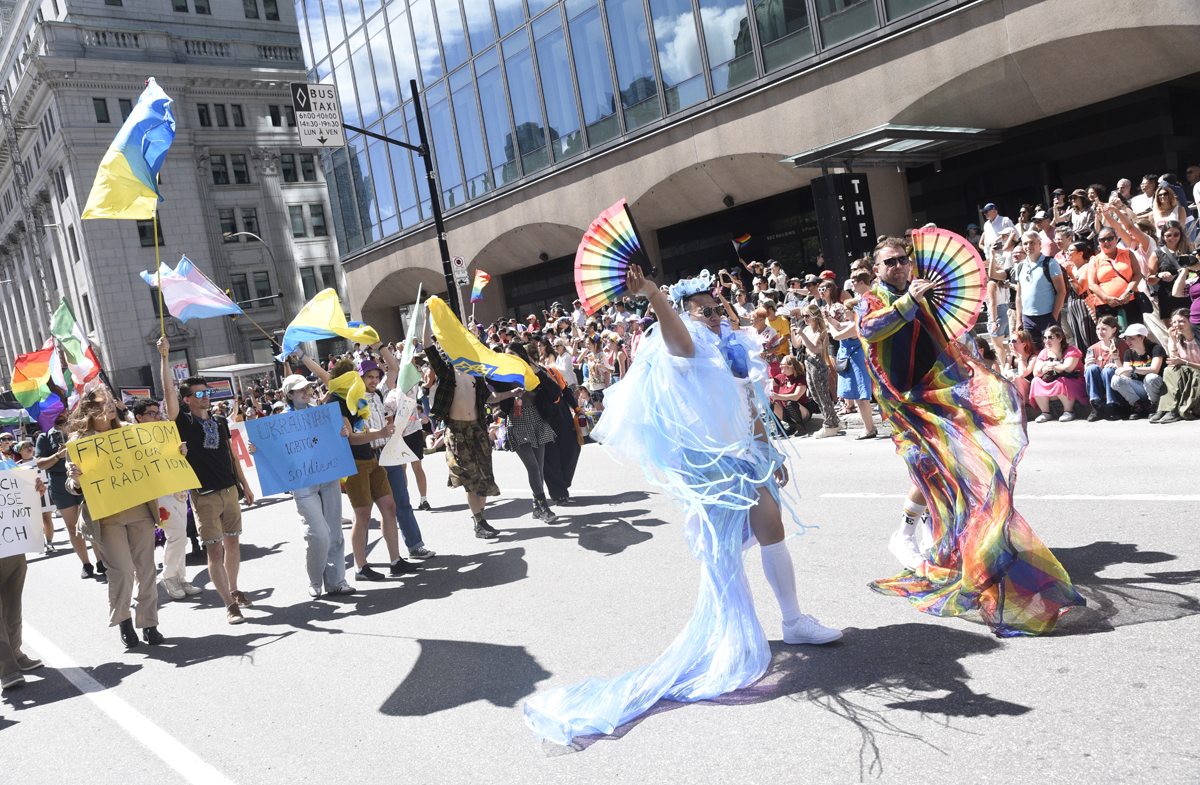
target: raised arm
<point>170,397</point>
<point>313,366</point>
<point>840,331</point>
<point>675,334</point>
<point>393,366</point>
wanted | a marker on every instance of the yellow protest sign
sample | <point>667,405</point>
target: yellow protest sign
<point>131,465</point>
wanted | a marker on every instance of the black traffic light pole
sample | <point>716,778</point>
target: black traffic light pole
<point>434,199</point>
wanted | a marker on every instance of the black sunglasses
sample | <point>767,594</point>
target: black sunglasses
<point>895,261</point>
<point>1108,239</point>
<point>708,311</point>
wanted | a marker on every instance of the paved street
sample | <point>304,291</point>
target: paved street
<point>422,680</point>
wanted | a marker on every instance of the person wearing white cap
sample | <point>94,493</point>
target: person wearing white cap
<point>320,508</point>
<point>1139,380</point>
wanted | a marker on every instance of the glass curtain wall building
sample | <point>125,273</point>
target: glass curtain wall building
<point>513,87</point>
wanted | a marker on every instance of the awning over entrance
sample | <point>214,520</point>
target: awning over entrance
<point>896,145</point>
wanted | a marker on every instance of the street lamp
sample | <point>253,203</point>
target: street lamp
<point>274,265</point>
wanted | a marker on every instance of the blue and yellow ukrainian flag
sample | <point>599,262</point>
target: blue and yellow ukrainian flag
<point>470,356</point>
<point>126,183</point>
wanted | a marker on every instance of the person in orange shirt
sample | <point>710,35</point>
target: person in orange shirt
<point>1113,277</point>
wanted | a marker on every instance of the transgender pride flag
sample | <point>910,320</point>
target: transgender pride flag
<point>190,295</point>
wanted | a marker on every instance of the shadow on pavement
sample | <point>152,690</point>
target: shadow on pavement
<point>1117,602</point>
<point>914,667</point>
<point>438,578</point>
<point>182,652</point>
<point>608,532</point>
<point>48,685</point>
<point>448,674</point>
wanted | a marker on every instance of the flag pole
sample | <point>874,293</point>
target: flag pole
<point>162,328</point>
<point>261,330</point>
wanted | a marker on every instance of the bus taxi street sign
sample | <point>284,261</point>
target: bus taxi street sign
<point>318,115</point>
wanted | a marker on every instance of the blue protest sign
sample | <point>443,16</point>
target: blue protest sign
<point>299,449</point>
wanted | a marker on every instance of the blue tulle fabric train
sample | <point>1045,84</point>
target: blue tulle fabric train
<point>688,422</point>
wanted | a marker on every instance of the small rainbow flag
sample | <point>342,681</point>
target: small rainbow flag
<point>739,242</point>
<point>481,280</point>
<point>30,374</point>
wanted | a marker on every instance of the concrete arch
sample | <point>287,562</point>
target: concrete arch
<point>516,249</point>
<point>1025,83</point>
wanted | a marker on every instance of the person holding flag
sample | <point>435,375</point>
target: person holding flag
<point>215,505</point>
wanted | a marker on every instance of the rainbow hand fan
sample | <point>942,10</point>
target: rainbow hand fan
<point>951,262</point>
<point>609,246</point>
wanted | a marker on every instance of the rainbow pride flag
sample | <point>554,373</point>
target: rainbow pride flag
<point>126,184</point>
<point>482,279</point>
<point>738,242</point>
<point>30,374</point>
<point>188,294</point>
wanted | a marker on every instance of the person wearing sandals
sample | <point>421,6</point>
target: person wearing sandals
<point>1057,373</point>
<point>814,337</point>
<point>50,450</point>
<point>854,383</point>
<point>126,538</point>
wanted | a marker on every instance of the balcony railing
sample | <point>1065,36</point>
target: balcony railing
<point>59,39</point>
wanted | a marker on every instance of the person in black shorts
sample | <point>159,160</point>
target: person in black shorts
<point>50,451</point>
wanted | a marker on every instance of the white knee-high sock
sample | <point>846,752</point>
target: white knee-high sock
<point>777,564</point>
<point>912,515</point>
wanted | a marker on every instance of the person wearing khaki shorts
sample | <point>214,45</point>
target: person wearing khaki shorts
<point>218,516</point>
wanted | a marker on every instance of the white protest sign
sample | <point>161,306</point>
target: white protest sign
<point>396,451</point>
<point>20,513</point>
<point>241,448</point>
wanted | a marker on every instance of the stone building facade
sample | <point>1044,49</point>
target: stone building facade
<point>71,71</point>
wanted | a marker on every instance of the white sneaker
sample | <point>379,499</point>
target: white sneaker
<point>314,591</point>
<point>172,588</point>
<point>825,433</point>
<point>807,629</point>
<point>188,588</point>
<point>905,551</point>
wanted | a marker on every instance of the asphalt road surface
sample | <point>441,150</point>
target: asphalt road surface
<point>422,680</point>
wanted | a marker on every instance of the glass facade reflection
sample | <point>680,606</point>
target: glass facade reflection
<point>513,87</point>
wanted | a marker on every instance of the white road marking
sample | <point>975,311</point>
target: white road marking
<point>158,741</point>
<point>1080,497</point>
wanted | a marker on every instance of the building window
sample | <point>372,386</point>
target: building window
<point>228,225</point>
<point>274,110</point>
<point>290,115</point>
<point>180,6</point>
<point>112,2</point>
<point>205,120</point>
<point>241,174</point>
<point>239,120</point>
<point>296,212</point>
<point>222,118</point>
<point>251,8</point>
<point>784,32</point>
<point>202,7</point>
<point>271,10</point>
<point>841,20</point>
<point>316,212</point>
<point>126,105</point>
<point>101,107</point>
<point>87,313</point>
<point>308,168</point>
<point>287,164</point>
<point>250,221</point>
<point>239,290</point>
<point>639,97</point>
<point>73,242</point>
<point>328,277</point>
<point>262,288</point>
<point>308,279</point>
<point>157,302</point>
<point>146,233</point>
<point>261,351</point>
<point>220,173</point>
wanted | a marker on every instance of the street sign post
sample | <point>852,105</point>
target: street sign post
<point>459,266</point>
<point>318,115</point>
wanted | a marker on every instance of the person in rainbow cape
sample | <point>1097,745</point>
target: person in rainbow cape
<point>961,430</point>
<point>692,410</point>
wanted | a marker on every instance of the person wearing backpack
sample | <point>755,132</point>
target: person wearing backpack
<point>1041,288</point>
